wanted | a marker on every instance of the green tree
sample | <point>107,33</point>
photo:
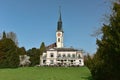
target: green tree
<point>4,35</point>
<point>34,56</point>
<point>22,51</point>
<point>106,61</point>
<point>42,48</point>
<point>88,60</point>
<point>9,56</point>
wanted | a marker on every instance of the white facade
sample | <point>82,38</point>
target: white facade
<point>62,57</point>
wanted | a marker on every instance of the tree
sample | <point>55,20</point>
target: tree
<point>106,61</point>
<point>34,56</point>
<point>4,35</point>
<point>42,48</point>
<point>22,51</point>
<point>88,60</point>
<point>9,57</point>
<point>12,36</point>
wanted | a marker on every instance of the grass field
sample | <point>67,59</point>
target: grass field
<point>46,73</point>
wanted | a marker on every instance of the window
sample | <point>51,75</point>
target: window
<point>51,61</point>
<point>68,55</point>
<point>64,55</point>
<point>79,60</point>
<point>59,55</point>
<point>58,39</point>
<point>79,56</point>
<point>44,61</point>
<point>73,55</point>
<point>51,55</point>
<point>71,61</point>
<point>45,56</point>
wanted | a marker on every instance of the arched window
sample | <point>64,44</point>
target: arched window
<point>79,56</point>
<point>51,55</point>
<point>58,39</point>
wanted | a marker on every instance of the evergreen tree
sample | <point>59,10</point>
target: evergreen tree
<point>4,35</point>
<point>42,48</point>
<point>106,61</point>
<point>9,56</point>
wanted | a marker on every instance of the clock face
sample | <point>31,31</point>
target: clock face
<point>59,34</point>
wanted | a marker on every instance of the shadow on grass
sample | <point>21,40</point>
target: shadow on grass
<point>87,78</point>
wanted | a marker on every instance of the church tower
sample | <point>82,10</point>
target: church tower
<point>59,33</point>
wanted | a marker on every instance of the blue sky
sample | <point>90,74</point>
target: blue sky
<point>35,21</point>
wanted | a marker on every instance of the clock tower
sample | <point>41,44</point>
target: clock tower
<point>59,33</point>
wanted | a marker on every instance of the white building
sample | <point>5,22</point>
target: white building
<point>58,55</point>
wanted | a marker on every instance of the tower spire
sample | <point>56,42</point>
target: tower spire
<point>60,19</point>
<point>59,25</point>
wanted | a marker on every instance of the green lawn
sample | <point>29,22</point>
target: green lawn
<point>45,73</point>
